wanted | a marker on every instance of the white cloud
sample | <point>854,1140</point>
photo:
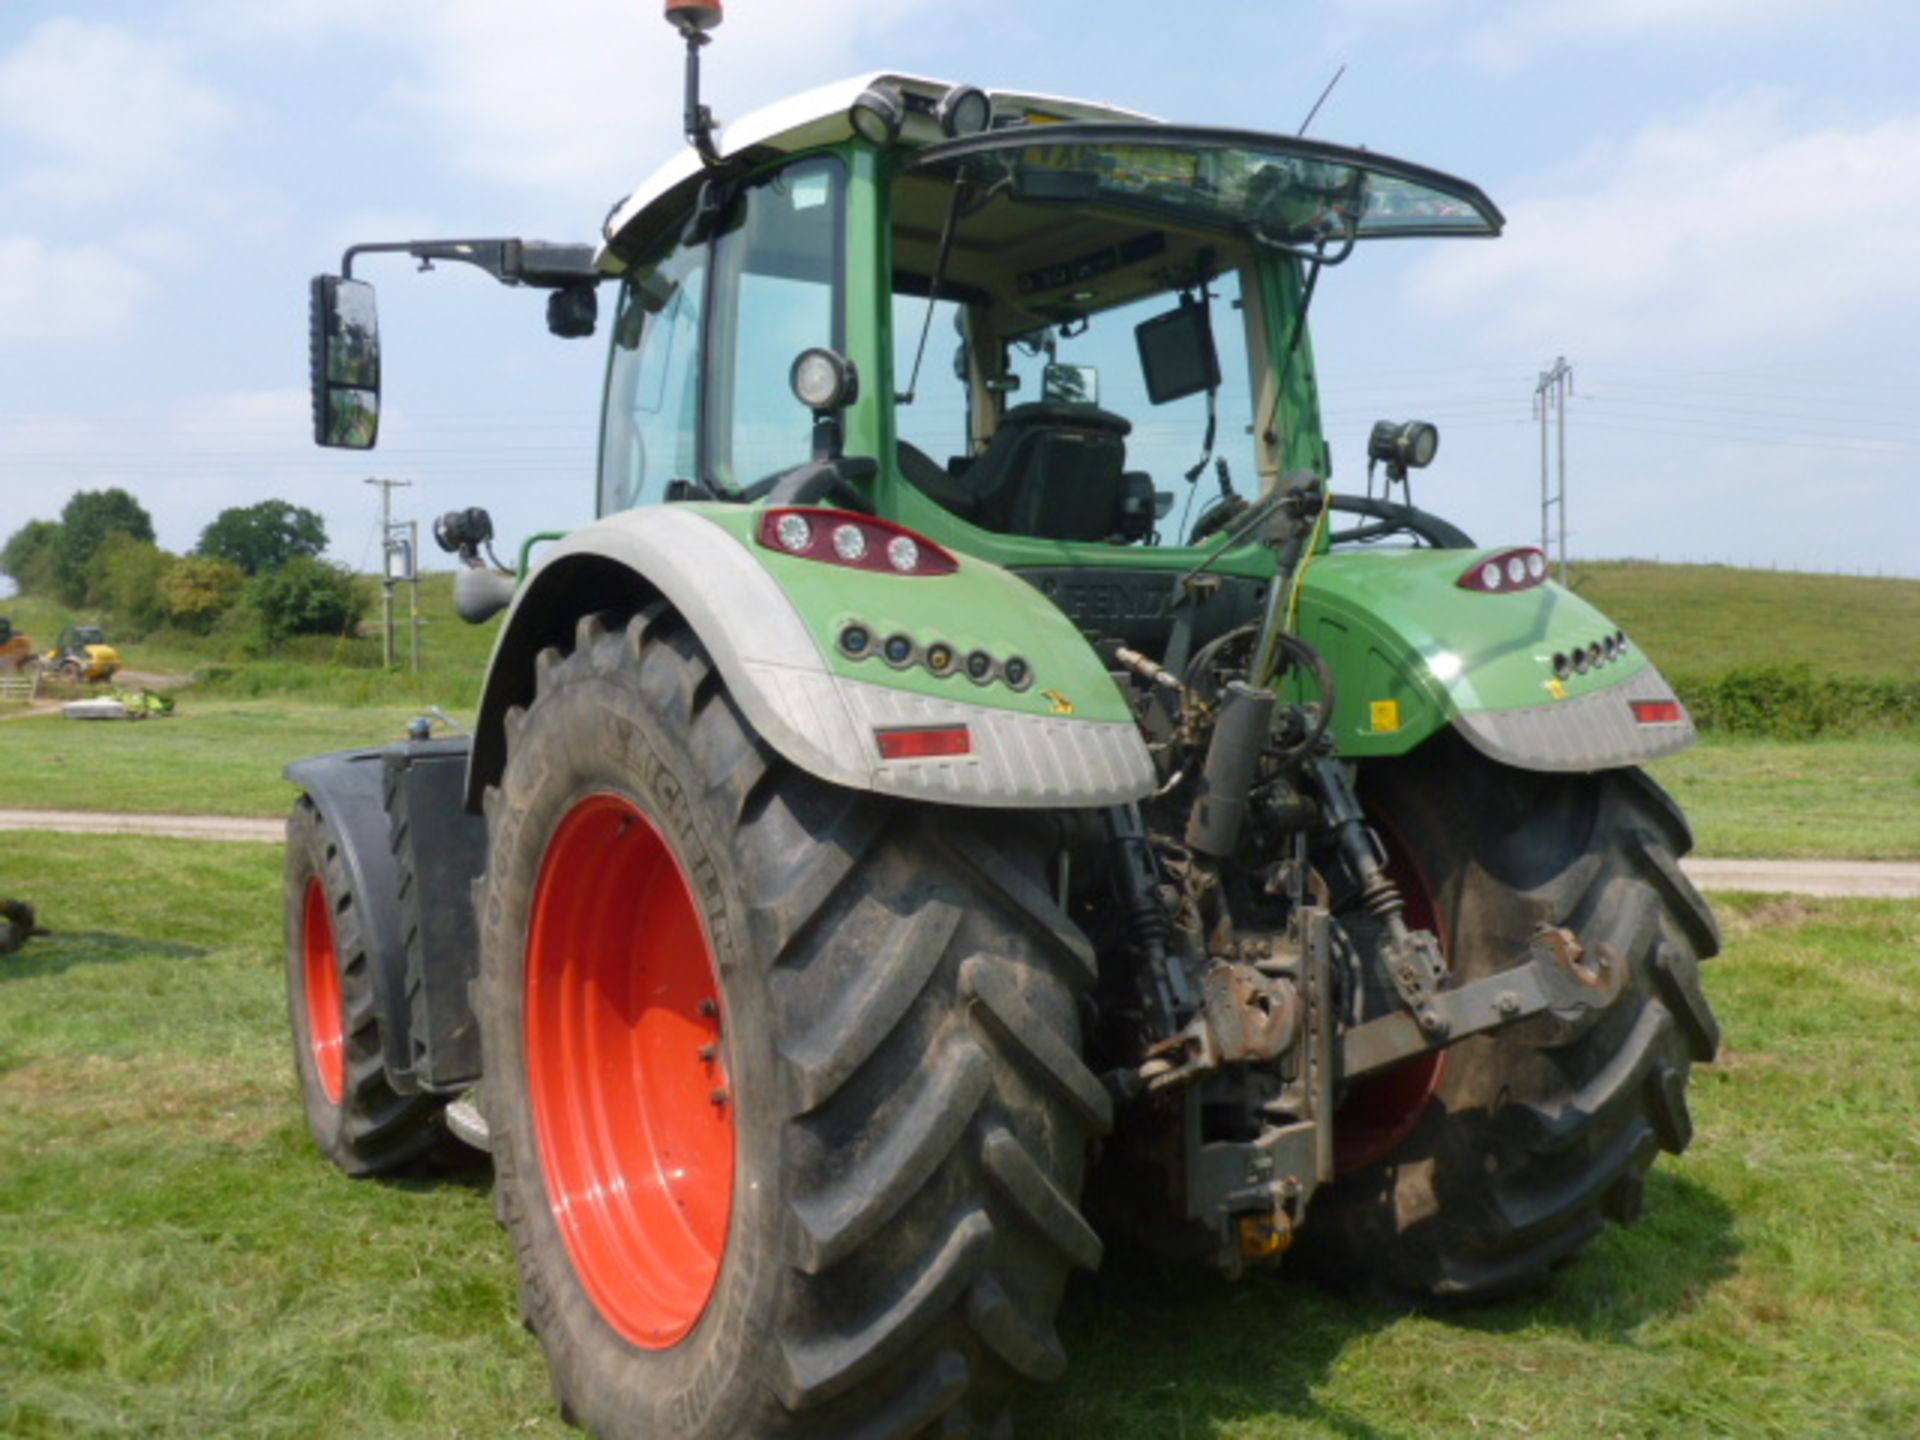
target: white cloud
<point>1723,228</point>
<point>582,102</point>
<point>49,294</point>
<point>102,113</point>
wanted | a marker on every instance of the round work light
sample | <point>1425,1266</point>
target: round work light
<point>876,115</point>
<point>824,380</point>
<point>964,110</point>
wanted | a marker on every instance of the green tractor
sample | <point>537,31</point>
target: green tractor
<point>977,792</point>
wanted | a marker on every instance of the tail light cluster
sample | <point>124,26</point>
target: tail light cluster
<point>1519,569</point>
<point>1582,658</point>
<point>1657,712</point>
<point>859,641</point>
<point>857,542</point>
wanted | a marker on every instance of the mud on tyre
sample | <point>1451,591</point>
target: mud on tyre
<point>874,1008</point>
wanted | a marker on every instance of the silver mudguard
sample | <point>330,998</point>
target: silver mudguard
<point>819,721</point>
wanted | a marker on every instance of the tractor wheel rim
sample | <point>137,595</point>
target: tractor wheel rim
<point>1382,1110</point>
<point>632,1106</point>
<point>320,970</point>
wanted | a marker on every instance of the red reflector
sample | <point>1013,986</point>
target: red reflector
<point>1658,712</point>
<point>924,744</point>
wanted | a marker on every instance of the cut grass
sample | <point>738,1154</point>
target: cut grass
<point>212,757</point>
<point>176,1260</point>
<point>1801,800</point>
<point>1818,799</point>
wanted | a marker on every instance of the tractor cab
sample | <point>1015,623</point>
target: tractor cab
<point>1045,323</point>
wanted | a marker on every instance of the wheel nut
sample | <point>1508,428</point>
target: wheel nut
<point>719,1097</point>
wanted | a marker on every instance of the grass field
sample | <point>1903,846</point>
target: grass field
<point>1702,619</point>
<point>1801,800</point>
<point>176,1261</point>
<point>1829,799</point>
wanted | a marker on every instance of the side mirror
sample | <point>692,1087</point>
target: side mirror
<point>343,327</point>
<point>1070,384</point>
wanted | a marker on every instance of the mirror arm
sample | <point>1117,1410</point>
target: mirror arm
<point>538,263</point>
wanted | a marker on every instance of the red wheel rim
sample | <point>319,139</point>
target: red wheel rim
<point>1381,1111</point>
<point>632,1109</point>
<point>320,969</point>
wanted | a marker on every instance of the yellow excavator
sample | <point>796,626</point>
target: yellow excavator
<point>82,653</point>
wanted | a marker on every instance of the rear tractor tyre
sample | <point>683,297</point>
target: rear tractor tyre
<point>1533,1136</point>
<point>358,1120</point>
<point>783,1080</point>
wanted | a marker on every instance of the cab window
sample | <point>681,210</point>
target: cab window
<point>777,292</point>
<point>651,423</point>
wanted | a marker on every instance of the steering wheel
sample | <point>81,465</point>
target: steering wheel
<point>1391,518</point>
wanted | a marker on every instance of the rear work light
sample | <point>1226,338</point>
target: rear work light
<point>857,542</point>
<point>924,744</point>
<point>1657,712</point>
<point>1519,569</point>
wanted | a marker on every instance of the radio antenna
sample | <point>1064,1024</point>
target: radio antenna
<point>1322,100</point>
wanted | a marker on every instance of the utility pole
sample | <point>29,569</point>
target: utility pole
<point>1550,395</point>
<point>390,545</point>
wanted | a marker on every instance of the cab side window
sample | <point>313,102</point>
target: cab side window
<point>777,291</point>
<point>652,419</point>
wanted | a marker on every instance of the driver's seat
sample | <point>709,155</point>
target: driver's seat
<point>1051,470</point>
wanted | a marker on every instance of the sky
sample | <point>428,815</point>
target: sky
<point>1712,215</point>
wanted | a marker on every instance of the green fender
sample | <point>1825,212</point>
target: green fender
<point>1412,651</point>
<point>773,623</point>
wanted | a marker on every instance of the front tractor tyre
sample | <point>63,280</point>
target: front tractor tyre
<point>783,1080</point>
<point>358,1120</point>
<point>1469,1175</point>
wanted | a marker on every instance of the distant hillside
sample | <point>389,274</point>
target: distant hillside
<point>1703,619</point>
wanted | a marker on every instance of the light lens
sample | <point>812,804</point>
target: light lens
<point>980,665</point>
<point>1562,666</point>
<point>855,640</point>
<point>876,116</point>
<point>1490,575</point>
<point>1537,565</point>
<point>1017,673</point>
<point>898,650</point>
<point>1516,570</point>
<point>1658,712</point>
<point>930,743</point>
<point>940,658</point>
<point>964,111</point>
<point>849,543</point>
<point>794,532</point>
<point>903,554</point>
<point>817,378</point>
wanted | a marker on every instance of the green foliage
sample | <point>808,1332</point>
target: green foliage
<point>125,579</point>
<point>305,597</point>
<point>27,558</point>
<point>86,522</point>
<point>1796,702</point>
<point>263,537</point>
<point>198,589</point>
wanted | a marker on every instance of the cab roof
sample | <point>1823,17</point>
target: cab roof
<point>820,117</point>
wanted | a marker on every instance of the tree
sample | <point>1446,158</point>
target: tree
<point>86,522</point>
<point>197,590</point>
<point>306,597</point>
<point>263,537</point>
<point>125,579</point>
<point>27,558</point>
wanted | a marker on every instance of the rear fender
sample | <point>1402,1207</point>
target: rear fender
<point>770,622</point>
<point>1413,652</point>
